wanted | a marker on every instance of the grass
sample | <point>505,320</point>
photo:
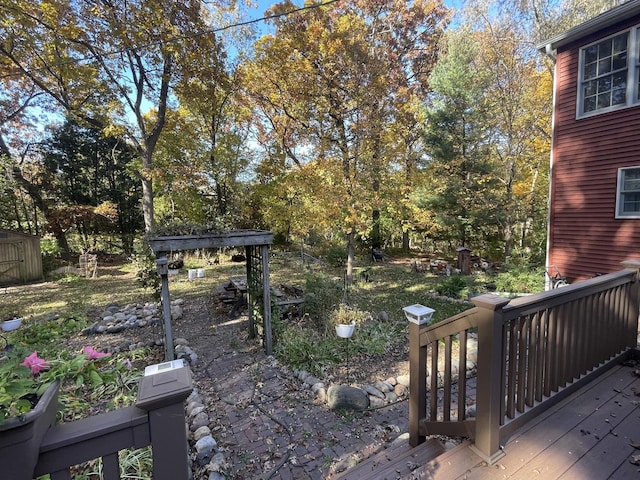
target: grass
<point>391,286</point>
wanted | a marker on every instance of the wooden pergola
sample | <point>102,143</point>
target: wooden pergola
<point>256,243</point>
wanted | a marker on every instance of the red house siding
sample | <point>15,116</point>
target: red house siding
<point>585,238</point>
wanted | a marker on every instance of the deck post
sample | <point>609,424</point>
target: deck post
<point>162,395</point>
<point>490,381</point>
<point>417,383</point>
<point>634,302</point>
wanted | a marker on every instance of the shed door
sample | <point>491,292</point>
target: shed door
<point>11,261</point>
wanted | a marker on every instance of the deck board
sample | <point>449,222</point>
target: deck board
<point>588,435</point>
<point>393,463</point>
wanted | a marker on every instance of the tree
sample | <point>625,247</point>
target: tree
<point>109,64</point>
<point>87,177</point>
<point>328,85</point>
<point>462,183</point>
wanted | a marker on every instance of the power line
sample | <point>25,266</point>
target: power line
<point>179,37</point>
<point>270,17</point>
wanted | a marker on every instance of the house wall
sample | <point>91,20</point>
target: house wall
<point>585,238</point>
<point>20,258</point>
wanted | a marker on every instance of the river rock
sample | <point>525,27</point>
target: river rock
<point>373,391</point>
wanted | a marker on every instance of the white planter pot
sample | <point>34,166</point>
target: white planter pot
<point>9,325</point>
<point>345,331</point>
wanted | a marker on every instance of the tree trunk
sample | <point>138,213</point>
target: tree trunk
<point>350,256</point>
<point>376,237</point>
<point>147,200</point>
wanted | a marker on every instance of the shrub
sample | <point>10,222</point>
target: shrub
<point>520,281</point>
<point>145,264</point>
<point>335,256</point>
<point>452,287</point>
<point>307,349</point>
<point>50,250</point>
<point>322,295</point>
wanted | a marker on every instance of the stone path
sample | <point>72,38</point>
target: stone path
<point>268,424</point>
<point>252,418</point>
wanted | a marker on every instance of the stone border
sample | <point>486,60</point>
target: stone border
<point>383,392</point>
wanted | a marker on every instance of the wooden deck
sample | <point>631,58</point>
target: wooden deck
<point>593,434</point>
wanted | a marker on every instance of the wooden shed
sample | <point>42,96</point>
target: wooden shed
<point>20,258</point>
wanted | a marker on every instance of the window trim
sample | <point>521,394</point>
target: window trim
<point>633,68</point>
<point>619,213</point>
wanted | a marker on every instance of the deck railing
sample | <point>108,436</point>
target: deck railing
<point>158,419</point>
<point>531,352</point>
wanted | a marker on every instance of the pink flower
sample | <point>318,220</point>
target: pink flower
<point>35,363</point>
<point>93,354</point>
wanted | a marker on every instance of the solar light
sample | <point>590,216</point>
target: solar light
<point>418,314</point>
<point>163,367</point>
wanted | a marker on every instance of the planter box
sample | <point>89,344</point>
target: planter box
<point>20,437</point>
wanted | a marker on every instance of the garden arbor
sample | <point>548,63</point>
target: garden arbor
<point>256,243</point>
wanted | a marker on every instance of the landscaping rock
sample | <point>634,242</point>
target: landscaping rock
<point>376,402</point>
<point>403,380</point>
<point>391,397</point>
<point>200,420</point>
<point>383,386</point>
<point>373,391</point>
<point>196,411</point>
<point>343,396</point>
<point>201,432</point>
<point>204,449</point>
<point>217,463</point>
<point>311,380</point>
<point>401,390</point>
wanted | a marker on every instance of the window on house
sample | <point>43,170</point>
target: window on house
<point>628,193</point>
<point>604,74</point>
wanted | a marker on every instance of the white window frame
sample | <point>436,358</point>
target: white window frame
<point>633,67</point>
<point>619,195</point>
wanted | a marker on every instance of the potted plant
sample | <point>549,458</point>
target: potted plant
<point>28,408</point>
<point>29,388</point>
<point>21,436</point>
<point>344,319</point>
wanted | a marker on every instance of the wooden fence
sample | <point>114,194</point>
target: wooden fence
<point>532,352</point>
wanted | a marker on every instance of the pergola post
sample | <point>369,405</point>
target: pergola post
<point>266,306</point>
<point>252,323</point>
<point>163,271</point>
